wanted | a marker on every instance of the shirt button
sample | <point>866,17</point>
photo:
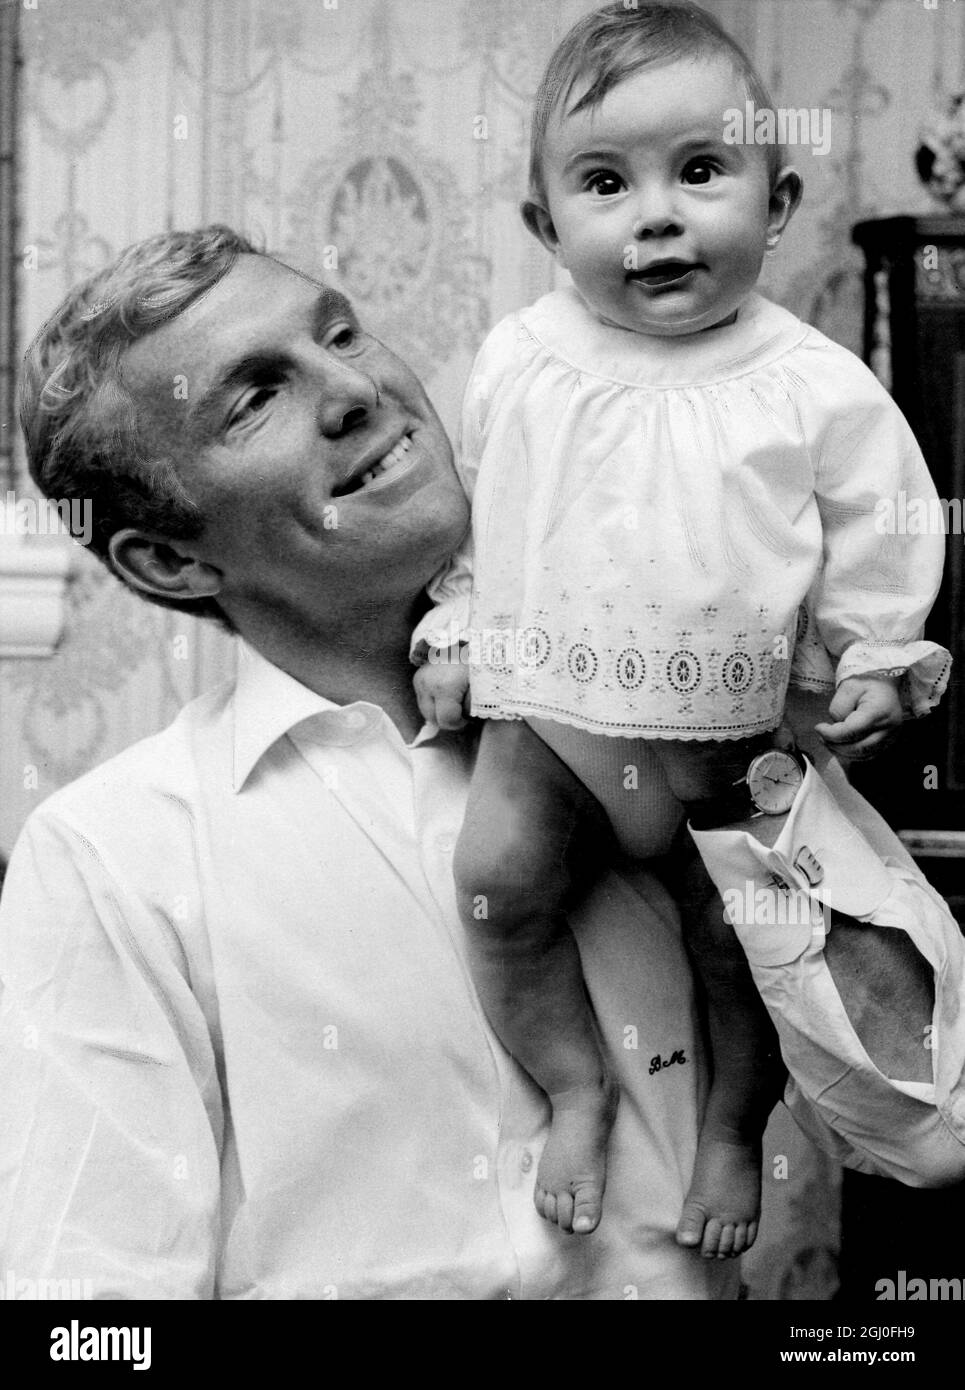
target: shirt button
<point>447,843</point>
<point>526,1162</point>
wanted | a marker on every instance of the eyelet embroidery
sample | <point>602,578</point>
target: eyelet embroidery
<point>583,663</point>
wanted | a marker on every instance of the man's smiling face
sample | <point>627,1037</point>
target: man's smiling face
<point>321,469</point>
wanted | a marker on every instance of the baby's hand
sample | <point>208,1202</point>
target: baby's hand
<point>865,714</point>
<point>442,689</point>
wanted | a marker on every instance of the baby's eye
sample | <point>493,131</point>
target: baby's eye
<point>604,183</point>
<point>700,170</point>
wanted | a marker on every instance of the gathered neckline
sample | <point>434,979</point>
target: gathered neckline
<point>564,326</point>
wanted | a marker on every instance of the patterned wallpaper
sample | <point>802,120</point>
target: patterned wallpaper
<point>382,144</point>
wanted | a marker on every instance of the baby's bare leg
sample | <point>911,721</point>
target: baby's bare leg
<point>722,1207</point>
<point>514,871</point>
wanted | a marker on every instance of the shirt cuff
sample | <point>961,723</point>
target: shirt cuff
<point>923,666</point>
<point>819,857</point>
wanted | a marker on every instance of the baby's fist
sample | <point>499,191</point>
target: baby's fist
<point>442,689</point>
<point>865,714</point>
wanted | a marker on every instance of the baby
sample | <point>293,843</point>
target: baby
<point>674,485</point>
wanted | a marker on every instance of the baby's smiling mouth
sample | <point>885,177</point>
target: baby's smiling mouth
<point>659,273</point>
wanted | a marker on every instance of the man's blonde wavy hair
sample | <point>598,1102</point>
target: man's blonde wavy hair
<point>79,419</point>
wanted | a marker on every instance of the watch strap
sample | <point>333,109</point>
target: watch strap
<point>713,811</point>
<point>710,813</point>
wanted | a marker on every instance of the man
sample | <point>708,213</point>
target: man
<point>240,1050</point>
<point>241,1055</point>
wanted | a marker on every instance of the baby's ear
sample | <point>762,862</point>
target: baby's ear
<point>784,200</point>
<point>539,222</point>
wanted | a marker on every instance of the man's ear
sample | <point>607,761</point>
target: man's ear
<point>538,221</point>
<point>785,197</point>
<point>160,567</point>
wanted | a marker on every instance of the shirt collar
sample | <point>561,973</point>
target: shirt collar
<point>268,703</point>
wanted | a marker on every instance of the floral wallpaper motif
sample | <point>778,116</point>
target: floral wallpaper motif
<point>71,41</point>
<point>66,719</point>
<point>380,201</point>
<point>383,144</point>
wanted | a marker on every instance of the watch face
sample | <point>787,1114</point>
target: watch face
<point>773,780</point>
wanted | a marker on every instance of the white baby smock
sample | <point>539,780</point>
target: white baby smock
<point>650,515</point>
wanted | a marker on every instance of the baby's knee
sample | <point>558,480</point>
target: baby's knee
<point>507,872</point>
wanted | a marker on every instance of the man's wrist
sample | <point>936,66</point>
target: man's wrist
<point>738,806</point>
<point>713,812</point>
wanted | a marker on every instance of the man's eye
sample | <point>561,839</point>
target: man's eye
<point>603,183</point>
<point>342,336</point>
<point>253,404</point>
<point>700,170</point>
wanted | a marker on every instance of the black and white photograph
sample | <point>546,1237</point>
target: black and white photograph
<point>482,622</point>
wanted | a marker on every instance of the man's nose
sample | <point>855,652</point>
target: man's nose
<point>347,397</point>
<point>656,213</point>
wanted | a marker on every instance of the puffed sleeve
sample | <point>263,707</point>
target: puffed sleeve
<point>110,1108</point>
<point>446,623</point>
<point>881,572</point>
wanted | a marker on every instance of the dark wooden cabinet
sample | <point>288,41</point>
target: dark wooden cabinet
<point>914,340</point>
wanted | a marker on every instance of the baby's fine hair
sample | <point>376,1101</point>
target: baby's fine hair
<point>610,45</point>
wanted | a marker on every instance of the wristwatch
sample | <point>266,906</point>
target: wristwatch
<point>768,788</point>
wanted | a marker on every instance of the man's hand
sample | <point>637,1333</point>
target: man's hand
<point>865,714</point>
<point>442,689</point>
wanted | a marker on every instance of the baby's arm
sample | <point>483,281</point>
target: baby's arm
<point>877,584</point>
<point>438,645</point>
<point>439,642</point>
<point>442,687</point>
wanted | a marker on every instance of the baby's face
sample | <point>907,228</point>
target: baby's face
<point>662,225</point>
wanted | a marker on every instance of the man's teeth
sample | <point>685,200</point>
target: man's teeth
<point>392,458</point>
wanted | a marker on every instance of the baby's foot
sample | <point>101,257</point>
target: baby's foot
<point>723,1205</point>
<point>572,1172</point>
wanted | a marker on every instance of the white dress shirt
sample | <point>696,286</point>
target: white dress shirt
<point>834,854</point>
<point>240,1051</point>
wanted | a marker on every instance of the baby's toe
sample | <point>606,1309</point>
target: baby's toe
<point>711,1241</point>
<point>726,1246</point>
<point>690,1227</point>
<point>564,1211</point>
<point>740,1238</point>
<point>587,1209</point>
